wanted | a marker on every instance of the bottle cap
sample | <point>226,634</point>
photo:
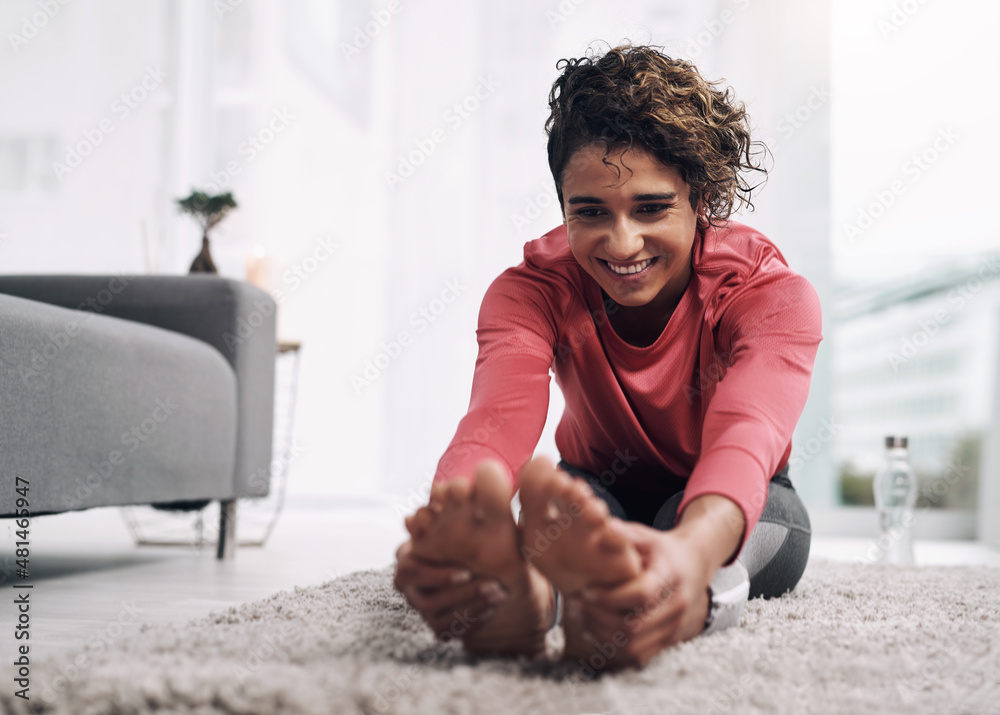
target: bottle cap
<point>893,441</point>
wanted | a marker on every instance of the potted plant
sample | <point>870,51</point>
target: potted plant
<point>208,211</point>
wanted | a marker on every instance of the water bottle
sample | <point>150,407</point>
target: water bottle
<point>895,488</point>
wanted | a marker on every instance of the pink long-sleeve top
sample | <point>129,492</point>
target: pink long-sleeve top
<point>714,399</point>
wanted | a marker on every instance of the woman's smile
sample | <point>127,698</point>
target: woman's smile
<point>638,270</point>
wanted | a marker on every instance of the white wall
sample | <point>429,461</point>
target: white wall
<point>907,75</point>
<point>61,82</point>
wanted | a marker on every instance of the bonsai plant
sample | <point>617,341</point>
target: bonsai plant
<point>208,211</point>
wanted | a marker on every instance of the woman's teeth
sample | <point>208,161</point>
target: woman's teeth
<point>626,270</point>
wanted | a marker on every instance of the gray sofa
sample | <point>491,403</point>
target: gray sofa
<point>125,390</point>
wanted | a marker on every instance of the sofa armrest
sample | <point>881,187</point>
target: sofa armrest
<point>234,317</point>
<point>99,411</point>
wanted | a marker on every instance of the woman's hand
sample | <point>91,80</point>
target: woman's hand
<point>449,599</point>
<point>666,604</point>
<point>668,601</point>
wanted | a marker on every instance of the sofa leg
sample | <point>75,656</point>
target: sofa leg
<point>227,529</point>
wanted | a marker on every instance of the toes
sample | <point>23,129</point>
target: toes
<point>593,513</point>
<point>418,524</point>
<point>610,542</point>
<point>606,533</point>
<point>548,494</point>
<point>436,500</point>
<point>553,509</point>
<point>614,540</point>
<point>581,490</point>
<point>457,491</point>
<point>581,495</point>
<point>491,492</point>
<point>565,489</point>
<point>534,477</point>
<point>601,506</point>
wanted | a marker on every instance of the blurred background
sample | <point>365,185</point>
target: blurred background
<point>388,158</point>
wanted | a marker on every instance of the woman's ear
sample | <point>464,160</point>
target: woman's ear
<point>701,212</point>
<point>699,205</point>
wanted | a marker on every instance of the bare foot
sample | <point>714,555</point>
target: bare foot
<point>567,534</point>
<point>567,531</point>
<point>470,524</point>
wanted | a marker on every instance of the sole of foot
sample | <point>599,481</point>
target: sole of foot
<point>469,523</point>
<point>568,533</point>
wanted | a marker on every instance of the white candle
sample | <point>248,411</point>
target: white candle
<point>259,268</point>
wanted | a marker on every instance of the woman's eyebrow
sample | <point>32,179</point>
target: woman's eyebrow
<point>669,196</point>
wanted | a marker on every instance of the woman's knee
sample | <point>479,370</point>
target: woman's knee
<point>778,549</point>
<point>783,571</point>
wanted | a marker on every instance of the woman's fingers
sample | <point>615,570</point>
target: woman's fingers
<point>645,592</point>
<point>414,572</point>
<point>598,620</point>
<point>445,600</point>
<point>463,619</point>
<point>647,643</point>
<point>461,609</point>
<point>633,645</point>
<point>449,599</point>
<point>592,619</point>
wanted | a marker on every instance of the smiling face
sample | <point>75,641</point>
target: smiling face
<point>632,234</point>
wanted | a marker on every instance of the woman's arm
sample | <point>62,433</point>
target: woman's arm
<point>769,329</point>
<point>510,387</point>
<point>507,410</point>
<point>713,526</point>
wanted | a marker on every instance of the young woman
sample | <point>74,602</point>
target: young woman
<point>683,345</point>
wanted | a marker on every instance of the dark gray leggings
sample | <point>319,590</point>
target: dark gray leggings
<point>775,555</point>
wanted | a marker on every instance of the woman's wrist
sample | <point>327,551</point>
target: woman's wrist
<point>712,526</point>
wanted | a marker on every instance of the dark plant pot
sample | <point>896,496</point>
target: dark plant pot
<point>203,262</point>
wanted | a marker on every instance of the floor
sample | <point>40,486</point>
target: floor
<point>91,583</point>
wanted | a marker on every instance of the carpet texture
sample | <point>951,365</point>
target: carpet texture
<point>850,639</point>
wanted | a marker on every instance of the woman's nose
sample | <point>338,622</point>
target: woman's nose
<point>624,240</point>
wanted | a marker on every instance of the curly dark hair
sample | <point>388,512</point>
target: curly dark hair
<point>637,97</point>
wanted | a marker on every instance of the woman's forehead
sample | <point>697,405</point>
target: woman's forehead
<point>594,160</point>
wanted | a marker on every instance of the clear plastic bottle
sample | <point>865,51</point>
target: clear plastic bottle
<point>895,488</point>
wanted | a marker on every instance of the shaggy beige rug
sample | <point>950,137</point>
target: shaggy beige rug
<point>851,639</point>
